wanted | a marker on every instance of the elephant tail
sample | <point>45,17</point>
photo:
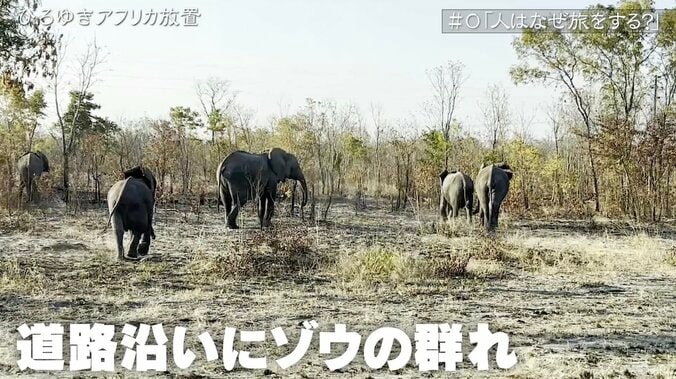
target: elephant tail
<point>117,202</point>
<point>491,203</point>
<point>464,190</point>
<point>219,171</point>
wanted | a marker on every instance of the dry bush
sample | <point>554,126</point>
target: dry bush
<point>534,258</point>
<point>375,265</point>
<point>456,228</point>
<point>491,248</point>
<point>671,256</point>
<point>443,260</point>
<point>19,222</point>
<point>22,277</point>
<point>280,253</point>
<point>445,266</point>
<point>381,265</point>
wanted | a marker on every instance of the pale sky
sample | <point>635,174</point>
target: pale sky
<point>277,53</point>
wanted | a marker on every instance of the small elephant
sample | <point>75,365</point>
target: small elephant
<point>492,185</point>
<point>457,192</point>
<point>244,176</point>
<point>31,166</point>
<point>131,204</point>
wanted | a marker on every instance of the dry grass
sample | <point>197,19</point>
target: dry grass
<point>597,297</point>
<point>279,253</point>
<point>21,276</point>
<point>395,267</point>
<point>19,222</point>
<point>670,257</point>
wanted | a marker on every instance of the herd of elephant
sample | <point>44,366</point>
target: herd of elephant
<point>243,177</point>
<point>457,192</point>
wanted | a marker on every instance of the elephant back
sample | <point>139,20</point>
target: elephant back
<point>241,163</point>
<point>32,164</point>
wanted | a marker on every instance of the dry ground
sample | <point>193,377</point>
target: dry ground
<point>578,299</point>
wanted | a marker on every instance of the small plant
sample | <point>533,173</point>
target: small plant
<point>491,248</point>
<point>455,228</point>
<point>375,265</point>
<point>382,265</point>
<point>671,256</point>
<point>443,267</point>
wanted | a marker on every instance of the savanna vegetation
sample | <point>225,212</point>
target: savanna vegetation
<point>580,274</point>
<point>610,148</point>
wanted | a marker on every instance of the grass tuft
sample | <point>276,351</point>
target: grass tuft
<point>17,276</point>
<point>282,253</point>
<point>21,222</point>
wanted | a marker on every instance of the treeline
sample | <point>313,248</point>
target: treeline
<point>611,147</point>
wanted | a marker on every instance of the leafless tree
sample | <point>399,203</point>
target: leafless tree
<point>87,65</point>
<point>496,115</point>
<point>216,97</point>
<point>380,125</point>
<point>446,82</point>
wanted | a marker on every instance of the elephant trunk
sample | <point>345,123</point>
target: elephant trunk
<point>303,184</point>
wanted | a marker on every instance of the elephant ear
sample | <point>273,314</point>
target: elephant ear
<point>443,175</point>
<point>509,174</point>
<point>134,172</point>
<point>277,158</point>
<point>45,161</point>
<point>505,167</point>
<point>149,177</point>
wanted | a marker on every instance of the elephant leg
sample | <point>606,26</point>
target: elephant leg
<point>29,189</point>
<point>144,245</point>
<point>132,253</point>
<point>238,199</point>
<point>497,199</point>
<point>118,228</point>
<point>232,216</point>
<point>443,209</point>
<point>225,196</point>
<point>484,204</point>
<point>262,204</point>
<point>227,201</point>
<point>468,210</point>
<point>485,216</point>
<point>456,209</point>
<point>269,210</point>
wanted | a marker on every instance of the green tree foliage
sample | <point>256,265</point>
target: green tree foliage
<point>27,48</point>
<point>618,65</point>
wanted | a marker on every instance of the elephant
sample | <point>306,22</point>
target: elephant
<point>244,176</point>
<point>31,165</point>
<point>457,191</point>
<point>131,204</point>
<point>492,185</point>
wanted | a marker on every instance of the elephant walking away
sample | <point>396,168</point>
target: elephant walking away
<point>244,176</point>
<point>457,192</point>
<point>31,166</point>
<point>492,186</point>
<point>131,204</point>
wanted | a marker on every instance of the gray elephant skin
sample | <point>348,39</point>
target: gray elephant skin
<point>492,186</point>
<point>31,166</point>
<point>131,204</point>
<point>457,192</point>
<point>244,176</point>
